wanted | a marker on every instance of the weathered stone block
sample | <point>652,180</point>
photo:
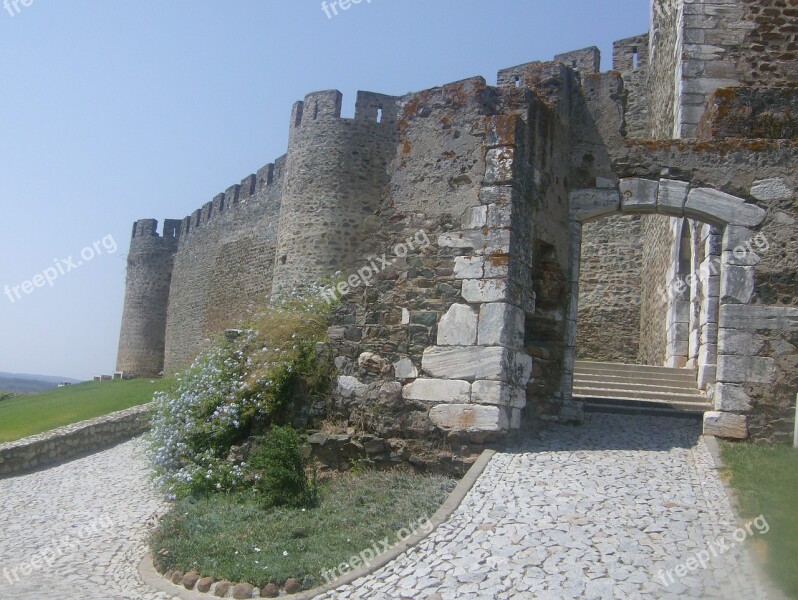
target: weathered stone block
<point>497,266</point>
<point>501,324</point>
<point>468,267</point>
<point>746,369</point>
<point>593,203</point>
<point>465,362</point>
<point>498,393</point>
<point>499,165</point>
<point>470,417</point>
<point>497,194</point>
<point>737,284</point>
<point>475,217</point>
<point>405,369</point>
<point>639,195</point>
<point>759,317</point>
<point>489,241</point>
<point>458,327</point>
<point>720,208</point>
<point>731,398</point>
<point>772,189</point>
<point>726,425</point>
<point>672,196</point>
<point>476,362</point>
<point>485,290</point>
<point>499,215</point>
<point>438,390</point>
<point>707,375</point>
<point>350,387</point>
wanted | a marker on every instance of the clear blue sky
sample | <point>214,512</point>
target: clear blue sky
<point>117,111</point>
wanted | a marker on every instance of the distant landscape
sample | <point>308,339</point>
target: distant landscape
<point>27,384</point>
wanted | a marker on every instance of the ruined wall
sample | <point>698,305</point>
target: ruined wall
<point>149,276</point>
<point>382,332</point>
<point>223,265</point>
<point>630,57</point>
<point>336,180</point>
<point>608,327</point>
<point>539,255</point>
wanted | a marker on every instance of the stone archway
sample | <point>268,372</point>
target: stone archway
<point>728,295</point>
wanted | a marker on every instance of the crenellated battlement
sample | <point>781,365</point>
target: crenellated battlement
<point>266,178</point>
<point>630,54</point>
<point>326,105</point>
<point>148,228</point>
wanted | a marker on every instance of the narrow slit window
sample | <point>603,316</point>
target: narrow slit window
<point>635,59</point>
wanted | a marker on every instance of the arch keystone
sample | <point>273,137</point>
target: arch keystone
<point>638,195</point>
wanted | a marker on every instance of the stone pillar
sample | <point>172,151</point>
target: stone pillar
<point>478,370</point>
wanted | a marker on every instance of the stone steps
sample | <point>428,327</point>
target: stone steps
<point>638,390</point>
<point>635,372</point>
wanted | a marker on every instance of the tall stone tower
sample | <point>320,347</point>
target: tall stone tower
<point>149,277</point>
<point>336,177</point>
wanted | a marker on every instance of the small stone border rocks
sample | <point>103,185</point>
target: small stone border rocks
<point>71,441</point>
<point>190,586</point>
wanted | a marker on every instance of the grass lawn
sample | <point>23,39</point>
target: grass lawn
<point>36,413</point>
<point>766,481</point>
<point>230,537</point>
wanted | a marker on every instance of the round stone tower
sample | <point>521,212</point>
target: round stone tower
<point>149,276</point>
<point>336,177</point>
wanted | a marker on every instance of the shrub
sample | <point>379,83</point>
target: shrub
<point>234,390</point>
<point>279,469</point>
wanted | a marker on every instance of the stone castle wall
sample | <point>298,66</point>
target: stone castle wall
<point>609,290</point>
<point>656,232</point>
<point>223,264</point>
<point>481,199</point>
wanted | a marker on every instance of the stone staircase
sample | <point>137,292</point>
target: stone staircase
<point>638,389</point>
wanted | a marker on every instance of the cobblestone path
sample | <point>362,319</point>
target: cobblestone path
<point>78,528</point>
<point>607,510</point>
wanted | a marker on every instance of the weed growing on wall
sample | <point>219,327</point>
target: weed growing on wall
<point>237,389</point>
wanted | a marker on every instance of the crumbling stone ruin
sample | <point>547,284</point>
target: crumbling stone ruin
<point>644,214</point>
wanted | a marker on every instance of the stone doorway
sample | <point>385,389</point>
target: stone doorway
<point>689,285</point>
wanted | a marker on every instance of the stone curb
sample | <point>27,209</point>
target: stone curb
<point>158,582</point>
<point>72,441</point>
<point>711,442</point>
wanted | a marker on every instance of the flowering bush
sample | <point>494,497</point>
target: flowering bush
<point>234,390</point>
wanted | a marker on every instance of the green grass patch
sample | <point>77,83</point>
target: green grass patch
<point>35,413</point>
<point>765,479</point>
<point>231,537</point>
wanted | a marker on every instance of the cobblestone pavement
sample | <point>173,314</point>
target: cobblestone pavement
<point>583,512</point>
<point>600,511</point>
<point>88,519</point>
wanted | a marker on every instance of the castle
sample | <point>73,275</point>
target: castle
<point>645,214</point>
